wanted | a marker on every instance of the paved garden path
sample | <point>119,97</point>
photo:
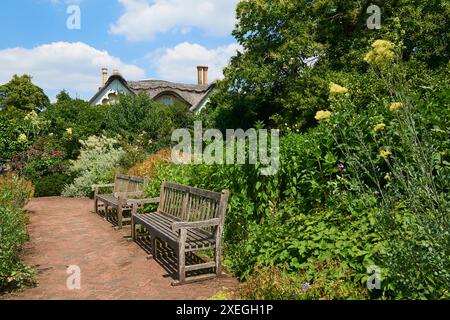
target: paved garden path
<point>64,232</point>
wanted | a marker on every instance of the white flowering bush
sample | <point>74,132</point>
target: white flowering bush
<point>98,158</point>
<point>34,124</point>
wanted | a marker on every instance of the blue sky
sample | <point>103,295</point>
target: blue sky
<point>151,39</point>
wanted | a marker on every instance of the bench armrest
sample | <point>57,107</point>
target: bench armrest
<point>97,186</point>
<point>142,202</point>
<point>196,224</point>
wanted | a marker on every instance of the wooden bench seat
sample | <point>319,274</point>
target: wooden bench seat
<point>109,198</point>
<point>161,225</point>
<point>188,219</point>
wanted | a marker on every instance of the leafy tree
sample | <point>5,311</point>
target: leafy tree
<point>63,96</point>
<point>10,130</point>
<point>20,96</point>
<point>144,122</point>
<point>72,120</point>
<point>293,49</point>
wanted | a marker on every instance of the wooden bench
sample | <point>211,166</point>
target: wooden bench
<point>187,219</point>
<point>124,188</point>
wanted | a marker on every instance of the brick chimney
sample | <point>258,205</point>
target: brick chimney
<point>104,76</point>
<point>202,75</point>
<point>205,75</point>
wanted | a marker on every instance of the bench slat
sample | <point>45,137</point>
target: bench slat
<point>206,265</point>
<point>109,198</point>
<point>195,191</point>
<point>131,178</point>
<point>195,237</point>
<point>200,232</point>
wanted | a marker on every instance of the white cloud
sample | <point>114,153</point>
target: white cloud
<point>179,63</point>
<point>143,19</point>
<point>62,65</point>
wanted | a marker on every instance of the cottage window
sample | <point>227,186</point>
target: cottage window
<point>167,100</point>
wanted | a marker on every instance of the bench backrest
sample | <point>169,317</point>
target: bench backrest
<point>191,204</point>
<point>124,183</point>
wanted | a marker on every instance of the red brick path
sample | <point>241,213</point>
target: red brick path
<point>64,232</point>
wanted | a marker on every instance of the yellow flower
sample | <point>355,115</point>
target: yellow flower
<point>23,137</point>
<point>69,131</point>
<point>337,89</point>
<point>379,127</point>
<point>323,115</point>
<point>385,153</point>
<point>396,106</point>
<point>32,116</point>
<point>382,52</point>
<point>388,177</point>
<point>379,44</point>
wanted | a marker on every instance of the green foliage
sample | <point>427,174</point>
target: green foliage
<point>98,158</point>
<point>10,130</point>
<point>44,166</point>
<point>370,185</point>
<point>410,182</point>
<point>21,96</point>
<point>142,122</point>
<point>72,120</point>
<point>328,280</point>
<point>13,274</point>
<point>14,192</point>
<point>278,219</point>
<point>223,295</point>
<point>328,201</point>
<point>272,78</point>
<point>38,162</point>
<point>52,184</point>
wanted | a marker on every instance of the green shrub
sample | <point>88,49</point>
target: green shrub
<point>144,123</point>
<point>14,192</point>
<point>328,280</point>
<point>44,166</point>
<point>38,162</point>
<point>95,165</point>
<point>52,185</point>
<point>13,274</point>
<point>10,131</point>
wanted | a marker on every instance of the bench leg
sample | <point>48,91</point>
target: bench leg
<point>218,253</point>
<point>96,206</point>
<point>120,217</point>
<point>154,248</point>
<point>106,212</point>
<point>182,256</point>
<point>133,229</point>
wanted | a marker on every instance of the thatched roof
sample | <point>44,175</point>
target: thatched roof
<point>191,93</point>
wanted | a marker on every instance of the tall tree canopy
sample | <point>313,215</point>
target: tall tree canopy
<point>272,79</point>
<point>20,95</point>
